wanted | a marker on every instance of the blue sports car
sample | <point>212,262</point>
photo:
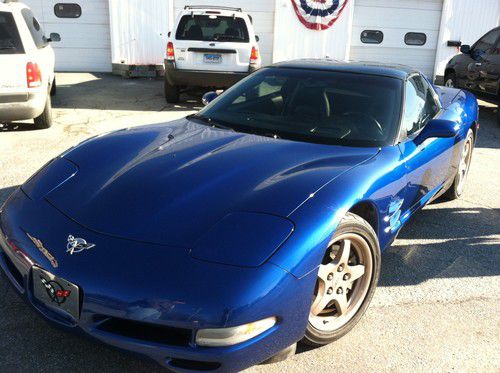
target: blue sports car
<point>220,240</point>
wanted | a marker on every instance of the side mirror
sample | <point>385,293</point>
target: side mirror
<point>209,97</point>
<point>54,37</point>
<point>465,49</point>
<point>169,33</point>
<point>438,128</point>
<point>257,39</point>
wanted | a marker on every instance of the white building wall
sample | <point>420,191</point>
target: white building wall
<point>139,30</point>
<point>262,12</point>
<point>465,21</point>
<point>293,40</point>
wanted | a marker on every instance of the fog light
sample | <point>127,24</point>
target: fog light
<point>231,336</point>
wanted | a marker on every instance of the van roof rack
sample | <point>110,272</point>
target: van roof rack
<point>189,7</point>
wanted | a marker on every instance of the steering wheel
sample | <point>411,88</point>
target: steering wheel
<point>374,126</point>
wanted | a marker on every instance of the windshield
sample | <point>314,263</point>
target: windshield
<point>212,28</point>
<point>10,42</point>
<point>311,105</point>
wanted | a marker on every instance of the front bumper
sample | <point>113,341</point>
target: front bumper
<point>22,106</point>
<point>196,78</point>
<point>126,287</point>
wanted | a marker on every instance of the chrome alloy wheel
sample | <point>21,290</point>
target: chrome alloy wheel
<point>463,168</point>
<point>343,282</point>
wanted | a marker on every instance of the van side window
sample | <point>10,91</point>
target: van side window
<point>35,28</point>
<point>420,105</point>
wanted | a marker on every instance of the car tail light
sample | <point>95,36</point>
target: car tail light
<point>170,51</point>
<point>33,75</point>
<point>254,56</point>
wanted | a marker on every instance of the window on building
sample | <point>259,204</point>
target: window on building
<point>372,36</point>
<point>415,38</point>
<point>36,30</point>
<point>67,10</point>
<point>420,105</point>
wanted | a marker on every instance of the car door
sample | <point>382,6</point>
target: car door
<point>429,162</point>
<point>490,71</point>
<point>481,53</point>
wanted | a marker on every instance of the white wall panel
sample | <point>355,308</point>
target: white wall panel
<point>465,21</point>
<point>262,12</point>
<point>85,41</point>
<point>139,30</point>
<point>293,40</point>
<point>396,18</point>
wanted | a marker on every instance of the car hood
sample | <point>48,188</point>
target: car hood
<point>170,183</point>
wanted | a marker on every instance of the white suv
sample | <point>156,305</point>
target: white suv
<point>209,47</point>
<point>26,66</point>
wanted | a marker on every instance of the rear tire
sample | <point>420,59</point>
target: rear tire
<point>450,80</point>
<point>352,269</point>
<point>45,119</point>
<point>53,88</point>
<point>172,93</point>
<point>457,187</point>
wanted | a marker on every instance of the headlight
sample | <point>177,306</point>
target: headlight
<point>231,336</point>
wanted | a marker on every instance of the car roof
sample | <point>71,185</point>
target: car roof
<point>368,68</point>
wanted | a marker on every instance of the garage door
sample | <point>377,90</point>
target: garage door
<point>397,31</point>
<point>84,28</point>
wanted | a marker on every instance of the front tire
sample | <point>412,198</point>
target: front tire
<point>347,278</point>
<point>450,80</point>
<point>172,93</point>
<point>45,119</point>
<point>457,187</point>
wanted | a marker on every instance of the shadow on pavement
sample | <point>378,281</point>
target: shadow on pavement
<point>444,243</point>
<point>489,132</point>
<point>111,92</point>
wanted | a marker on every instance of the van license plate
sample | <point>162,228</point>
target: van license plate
<point>212,58</point>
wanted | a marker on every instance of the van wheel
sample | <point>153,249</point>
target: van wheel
<point>171,93</point>
<point>45,119</point>
<point>53,88</point>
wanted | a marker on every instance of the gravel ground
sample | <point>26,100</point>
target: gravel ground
<point>437,306</point>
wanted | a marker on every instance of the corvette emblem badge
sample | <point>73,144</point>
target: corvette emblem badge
<point>77,245</point>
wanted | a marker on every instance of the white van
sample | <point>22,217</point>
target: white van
<point>210,46</point>
<point>26,66</point>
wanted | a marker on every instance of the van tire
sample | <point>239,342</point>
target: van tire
<point>171,93</point>
<point>44,120</point>
<point>53,88</point>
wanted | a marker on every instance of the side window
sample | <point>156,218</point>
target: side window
<point>420,105</point>
<point>371,37</point>
<point>67,10</point>
<point>35,28</point>
<point>485,44</point>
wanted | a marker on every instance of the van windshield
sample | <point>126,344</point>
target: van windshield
<point>10,42</point>
<point>212,28</point>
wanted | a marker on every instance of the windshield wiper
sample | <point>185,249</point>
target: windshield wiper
<point>7,48</point>
<point>212,123</point>
<point>273,135</point>
<point>230,37</point>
